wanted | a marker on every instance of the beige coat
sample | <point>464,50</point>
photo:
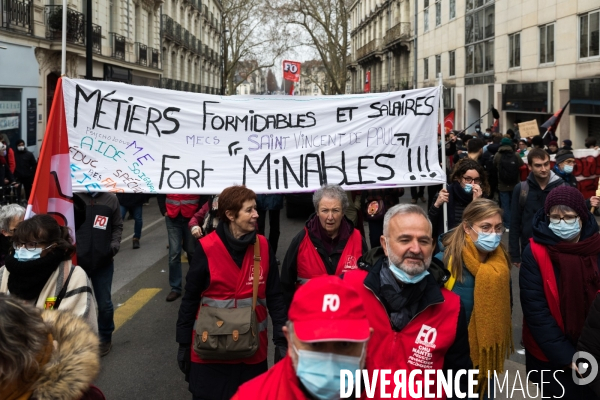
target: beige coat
<point>79,298</point>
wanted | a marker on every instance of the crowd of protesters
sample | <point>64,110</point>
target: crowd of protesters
<point>342,299</point>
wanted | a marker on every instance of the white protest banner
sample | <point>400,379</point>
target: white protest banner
<point>127,138</point>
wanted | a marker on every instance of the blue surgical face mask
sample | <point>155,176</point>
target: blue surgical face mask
<point>320,372</point>
<point>22,254</point>
<point>468,188</point>
<point>487,242</point>
<point>401,275</point>
<point>565,231</point>
<point>568,169</point>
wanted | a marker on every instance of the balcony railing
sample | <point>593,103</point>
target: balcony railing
<point>141,54</point>
<point>96,39</point>
<point>194,44</point>
<point>17,15</point>
<point>178,31</point>
<point>75,25</point>
<point>206,90</point>
<point>118,46</point>
<point>167,26</point>
<point>398,32</point>
<point>368,48</point>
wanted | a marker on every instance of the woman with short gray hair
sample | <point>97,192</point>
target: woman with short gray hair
<point>328,245</point>
<point>10,216</point>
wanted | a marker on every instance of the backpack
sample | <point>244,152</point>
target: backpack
<point>525,192</point>
<point>508,170</point>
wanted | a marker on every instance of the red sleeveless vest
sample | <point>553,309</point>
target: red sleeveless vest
<point>280,382</point>
<point>550,290</point>
<point>311,265</point>
<point>231,287</point>
<point>186,203</point>
<point>421,345</point>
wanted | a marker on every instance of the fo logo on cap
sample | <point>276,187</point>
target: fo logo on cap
<point>331,301</point>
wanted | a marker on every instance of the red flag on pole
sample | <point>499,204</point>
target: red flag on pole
<point>554,120</point>
<point>291,93</point>
<point>496,126</point>
<point>448,122</point>
<point>51,192</point>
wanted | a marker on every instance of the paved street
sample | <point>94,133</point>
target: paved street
<point>142,363</point>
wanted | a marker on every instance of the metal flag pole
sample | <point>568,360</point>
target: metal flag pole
<point>63,56</point>
<point>443,145</point>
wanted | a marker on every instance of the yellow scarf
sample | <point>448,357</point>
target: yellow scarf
<point>490,328</point>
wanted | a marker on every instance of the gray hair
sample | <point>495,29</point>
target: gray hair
<point>8,213</point>
<point>333,192</point>
<point>402,209</point>
<point>24,335</point>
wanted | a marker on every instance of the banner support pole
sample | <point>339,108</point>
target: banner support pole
<point>63,50</point>
<point>443,144</point>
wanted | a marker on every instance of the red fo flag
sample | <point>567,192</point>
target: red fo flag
<point>51,192</point>
<point>291,70</point>
<point>496,126</point>
<point>448,123</point>
<point>553,121</point>
<point>368,82</point>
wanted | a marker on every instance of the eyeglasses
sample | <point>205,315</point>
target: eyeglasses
<point>468,179</point>
<point>498,229</point>
<point>29,246</point>
<point>569,219</point>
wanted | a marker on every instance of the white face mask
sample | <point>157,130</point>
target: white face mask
<point>20,148</point>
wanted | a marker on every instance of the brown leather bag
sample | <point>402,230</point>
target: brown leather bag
<point>229,333</point>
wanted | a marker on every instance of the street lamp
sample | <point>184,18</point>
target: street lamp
<point>224,60</point>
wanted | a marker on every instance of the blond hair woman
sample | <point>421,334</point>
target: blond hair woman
<point>480,269</point>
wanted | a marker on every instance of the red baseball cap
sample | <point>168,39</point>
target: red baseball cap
<point>327,309</point>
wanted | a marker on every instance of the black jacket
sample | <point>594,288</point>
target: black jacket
<point>26,164</point>
<point>289,268</point>
<point>521,218</point>
<point>458,355</point>
<point>198,279</point>
<point>590,339</point>
<point>98,239</point>
<point>130,200</point>
<point>544,329</point>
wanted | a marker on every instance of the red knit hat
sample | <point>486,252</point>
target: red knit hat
<point>567,196</point>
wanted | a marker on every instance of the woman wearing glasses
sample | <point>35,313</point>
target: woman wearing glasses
<point>38,269</point>
<point>469,182</point>
<point>480,274</point>
<point>559,279</point>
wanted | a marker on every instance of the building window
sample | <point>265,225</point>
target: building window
<point>426,20</point>
<point>438,65</point>
<point>589,35</point>
<point>452,65</point>
<point>452,9</point>
<point>479,37</point>
<point>514,50</point>
<point>438,12</point>
<point>425,68</point>
<point>547,44</point>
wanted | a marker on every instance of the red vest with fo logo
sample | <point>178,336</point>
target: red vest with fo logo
<point>187,204</point>
<point>311,265</point>
<point>231,287</point>
<point>421,345</point>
